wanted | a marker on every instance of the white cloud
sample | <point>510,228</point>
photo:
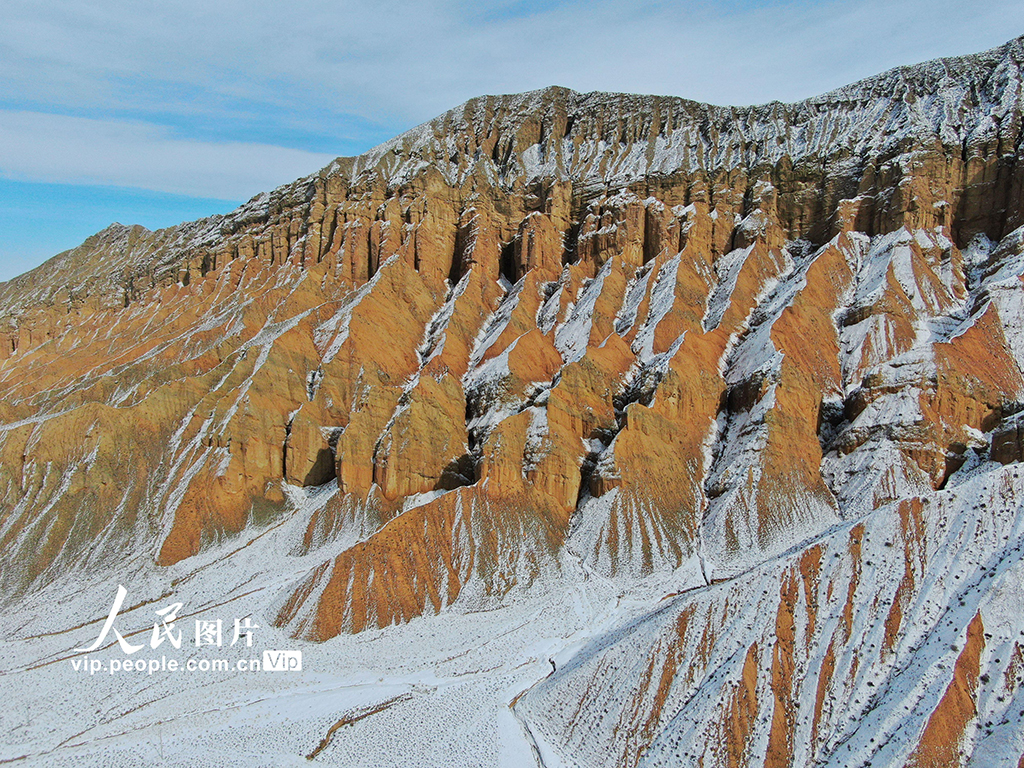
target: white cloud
<point>57,148</point>
<point>279,73</point>
<point>411,60</point>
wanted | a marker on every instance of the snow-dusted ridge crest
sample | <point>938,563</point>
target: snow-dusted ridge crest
<point>943,96</point>
<point>603,139</point>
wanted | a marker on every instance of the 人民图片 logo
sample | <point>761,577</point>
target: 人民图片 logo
<point>207,632</point>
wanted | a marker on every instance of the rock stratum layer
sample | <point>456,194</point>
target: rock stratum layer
<point>767,358</point>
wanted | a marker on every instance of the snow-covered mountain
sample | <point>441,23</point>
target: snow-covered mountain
<point>564,429</point>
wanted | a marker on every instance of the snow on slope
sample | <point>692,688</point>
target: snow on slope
<point>864,629</point>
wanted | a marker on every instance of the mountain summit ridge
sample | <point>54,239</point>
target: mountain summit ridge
<point>972,73</point>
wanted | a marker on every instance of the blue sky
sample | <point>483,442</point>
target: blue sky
<point>150,112</point>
